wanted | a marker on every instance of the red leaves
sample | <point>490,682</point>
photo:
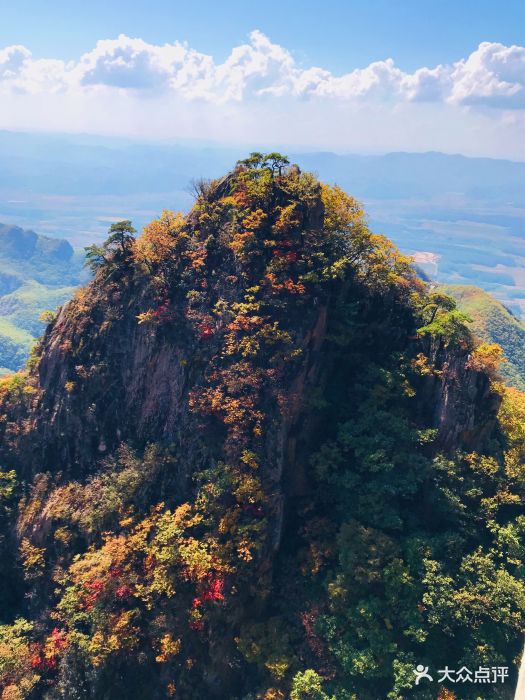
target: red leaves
<point>39,661</point>
<point>289,256</point>
<point>205,330</point>
<point>294,287</point>
<point>164,312</point>
<point>123,592</point>
<point>289,285</point>
<point>58,639</point>
<point>309,620</point>
<point>209,590</point>
<point>95,590</point>
<point>214,589</point>
<point>44,657</point>
<point>115,572</point>
<point>95,586</point>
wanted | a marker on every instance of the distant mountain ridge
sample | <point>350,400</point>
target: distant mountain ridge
<point>403,174</point>
<point>492,322</point>
<point>15,242</point>
<point>93,165</point>
<point>37,273</point>
<point>468,212</point>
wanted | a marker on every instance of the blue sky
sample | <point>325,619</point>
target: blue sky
<point>338,34</point>
<point>360,76</point>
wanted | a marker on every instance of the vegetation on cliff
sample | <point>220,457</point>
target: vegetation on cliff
<point>257,458</point>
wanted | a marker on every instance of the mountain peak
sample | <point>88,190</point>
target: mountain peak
<point>235,450</point>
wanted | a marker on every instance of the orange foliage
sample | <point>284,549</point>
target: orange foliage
<point>160,239</point>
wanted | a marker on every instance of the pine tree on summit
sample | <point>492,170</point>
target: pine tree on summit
<point>115,251</point>
<point>274,161</point>
<point>121,238</point>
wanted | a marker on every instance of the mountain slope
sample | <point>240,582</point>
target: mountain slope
<point>37,273</point>
<point>257,458</point>
<point>493,323</point>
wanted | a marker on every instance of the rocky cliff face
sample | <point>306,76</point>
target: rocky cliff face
<point>458,400</point>
<point>103,377</point>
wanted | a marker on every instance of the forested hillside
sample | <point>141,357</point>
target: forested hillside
<point>37,274</point>
<point>257,458</point>
<point>492,322</point>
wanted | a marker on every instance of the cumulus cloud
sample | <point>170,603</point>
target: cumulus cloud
<point>427,84</point>
<point>12,59</point>
<point>134,64</point>
<point>493,75</point>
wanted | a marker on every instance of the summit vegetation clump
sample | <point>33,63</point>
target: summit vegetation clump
<point>257,458</point>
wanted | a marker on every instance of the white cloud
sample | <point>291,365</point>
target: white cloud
<point>134,64</point>
<point>493,75</point>
<point>12,59</point>
<point>189,93</point>
<point>428,84</point>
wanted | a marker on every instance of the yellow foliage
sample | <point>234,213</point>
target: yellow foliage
<point>254,220</point>
<point>445,694</point>
<point>487,357</point>
<point>146,317</point>
<point>118,634</point>
<point>17,677</point>
<point>160,238</point>
<point>288,218</point>
<point>272,694</point>
<point>341,211</point>
<point>33,559</point>
<point>421,365</point>
<point>63,535</point>
<point>250,459</point>
<point>239,244</point>
<point>169,647</point>
<point>512,419</point>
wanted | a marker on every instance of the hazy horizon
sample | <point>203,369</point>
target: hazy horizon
<point>108,139</point>
<point>465,215</point>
